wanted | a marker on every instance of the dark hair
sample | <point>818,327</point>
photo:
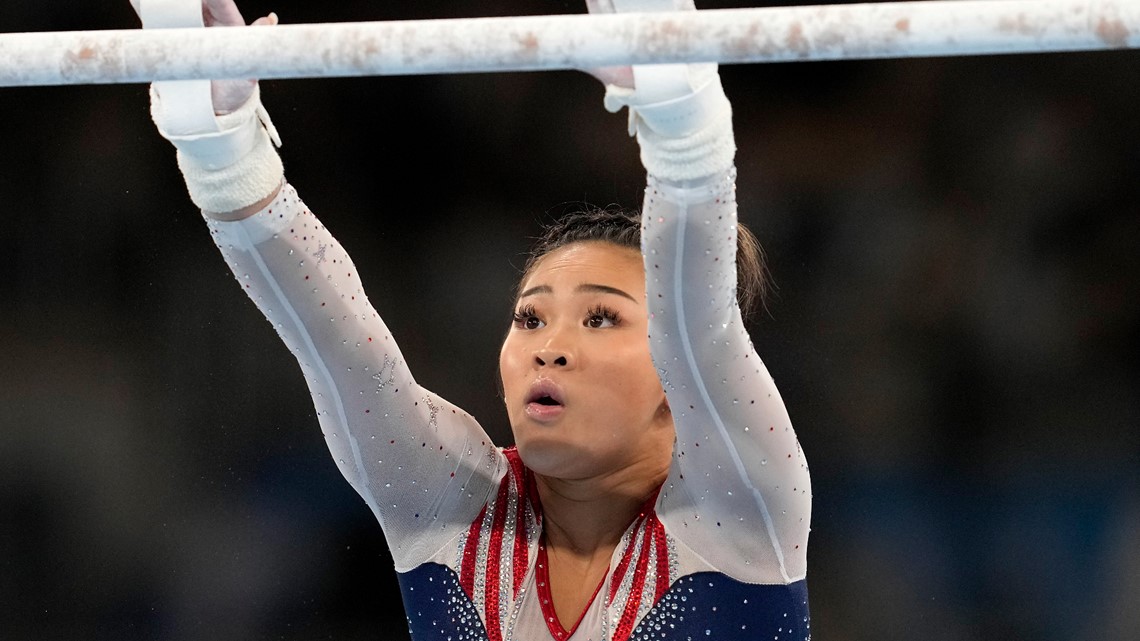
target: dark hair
<point>622,227</point>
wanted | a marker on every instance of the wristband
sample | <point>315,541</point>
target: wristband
<point>232,168</point>
<point>687,133</point>
<point>227,161</point>
<point>679,113</point>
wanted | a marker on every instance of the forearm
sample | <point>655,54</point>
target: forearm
<point>737,456</point>
<point>737,467</point>
<point>418,462</point>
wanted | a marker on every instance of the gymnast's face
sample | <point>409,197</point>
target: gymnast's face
<point>582,394</point>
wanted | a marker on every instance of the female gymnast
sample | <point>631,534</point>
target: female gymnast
<point>656,490</point>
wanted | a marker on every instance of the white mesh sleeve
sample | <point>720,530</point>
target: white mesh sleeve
<point>424,467</point>
<point>738,492</point>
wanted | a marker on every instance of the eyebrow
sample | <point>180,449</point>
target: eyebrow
<point>584,287</point>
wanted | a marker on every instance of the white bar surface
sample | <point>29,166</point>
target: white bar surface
<point>728,36</point>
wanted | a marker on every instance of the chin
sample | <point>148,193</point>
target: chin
<point>553,457</point>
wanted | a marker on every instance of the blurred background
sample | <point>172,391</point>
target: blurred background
<point>955,330</point>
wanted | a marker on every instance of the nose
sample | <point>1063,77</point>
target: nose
<point>554,347</point>
<point>547,357</point>
<point>556,351</point>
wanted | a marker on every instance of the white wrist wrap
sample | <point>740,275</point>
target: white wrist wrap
<point>706,152</point>
<point>679,112</point>
<point>681,117</point>
<point>230,168</point>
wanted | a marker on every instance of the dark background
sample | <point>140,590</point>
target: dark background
<point>955,333</point>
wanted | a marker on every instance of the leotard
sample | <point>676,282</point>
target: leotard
<point>718,553</point>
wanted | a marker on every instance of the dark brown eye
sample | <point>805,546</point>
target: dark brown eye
<point>526,318</point>
<point>600,318</point>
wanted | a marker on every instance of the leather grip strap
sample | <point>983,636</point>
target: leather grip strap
<point>657,83</point>
<point>187,106</point>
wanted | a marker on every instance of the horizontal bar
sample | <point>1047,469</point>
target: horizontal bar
<point>774,34</point>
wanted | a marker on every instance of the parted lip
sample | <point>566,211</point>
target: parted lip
<point>543,388</point>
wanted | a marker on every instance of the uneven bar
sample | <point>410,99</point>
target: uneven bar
<point>775,34</point>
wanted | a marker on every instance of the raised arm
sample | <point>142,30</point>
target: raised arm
<point>738,493</point>
<point>424,467</point>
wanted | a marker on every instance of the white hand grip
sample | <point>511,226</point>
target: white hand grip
<point>186,106</point>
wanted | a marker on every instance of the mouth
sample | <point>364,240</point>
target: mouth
<point>544,402</point>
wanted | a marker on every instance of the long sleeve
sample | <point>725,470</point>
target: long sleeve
<point>738,493</point>
<point>424,467</point>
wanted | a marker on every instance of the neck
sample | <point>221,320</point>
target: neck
<point>587,517</point>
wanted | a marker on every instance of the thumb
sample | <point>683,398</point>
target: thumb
<point>620,76</point>
<point>268,21</point>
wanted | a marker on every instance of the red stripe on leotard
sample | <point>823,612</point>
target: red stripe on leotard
<point>521,554</point>
<point>662,569</point>
<point>470,552</point>
<point>494,556</point>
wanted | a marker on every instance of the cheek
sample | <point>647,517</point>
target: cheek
<point>510,362</point>
<point>508,386</point>
<point>632,370</point>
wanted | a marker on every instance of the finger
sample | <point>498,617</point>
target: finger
<point>620,76</point>
<point>222,13</point>
<point>600,6</point>
<point>267,21</point>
